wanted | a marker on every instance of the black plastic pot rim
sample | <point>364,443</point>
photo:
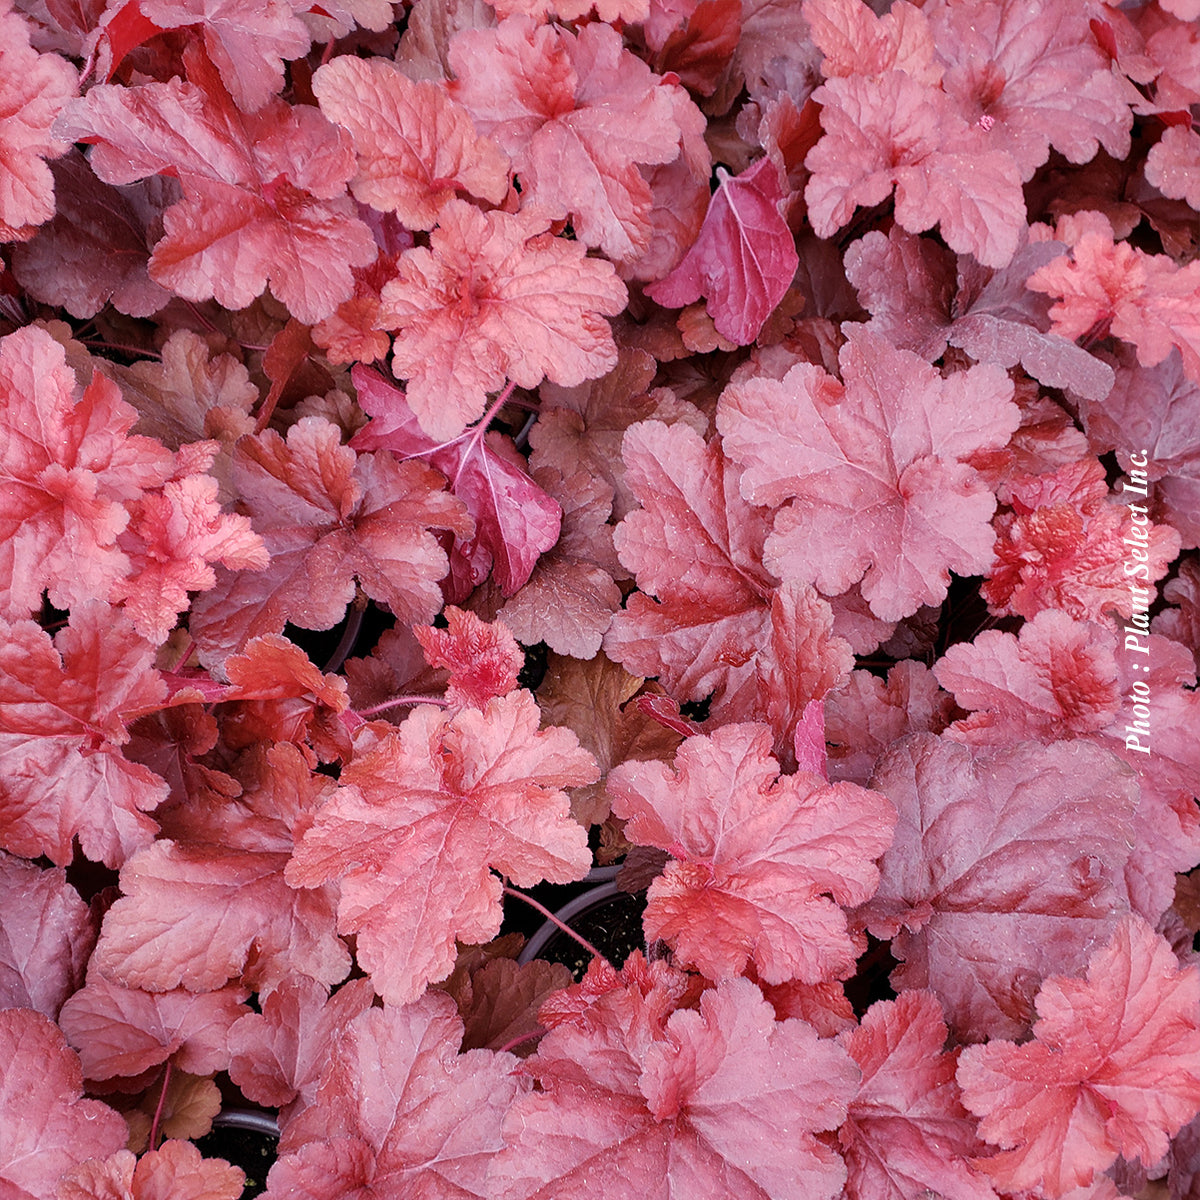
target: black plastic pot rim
<point>603,891</point>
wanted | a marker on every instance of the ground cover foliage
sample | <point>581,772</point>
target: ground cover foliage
<point>446,446</point>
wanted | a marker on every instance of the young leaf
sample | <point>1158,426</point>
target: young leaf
<point>744,259</point>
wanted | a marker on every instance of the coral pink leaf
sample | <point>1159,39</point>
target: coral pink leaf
<point>1058,679</point>
<point>121,1032</point>
<point>212,905</point>
<point>483,659</point>
<point>34,88</point>
<point>880,493</point>
<point>720,1103</point>
<point>327,516</point>
<point>71,472</point>
<point>907,1135</point>
<point>400,1111</point>
<point>277,1055</point>
<point>578,114</point>
<point>64,710</point>
<point>46,936</point>
<point>1109,286</point>
<point>495,296</point>
<point>416,147</point>
<point>744,259</point>
<point>247,41</point>
<point>46,1128</point>
<point>264,194</point>
<point>760,863</point>
<point>176,1169</point>
<point>1114,1069</point>
<point>428,809</point>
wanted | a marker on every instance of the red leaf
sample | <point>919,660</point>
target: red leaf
<point>515,520</point>
<point>757,857</point>
<point>744,259</point>
<point>46,1128</point>
<point>428,809</point>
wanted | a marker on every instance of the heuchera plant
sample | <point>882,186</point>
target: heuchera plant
<point>759,440</point>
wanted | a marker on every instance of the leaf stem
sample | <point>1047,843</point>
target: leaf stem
<point>509,891</point>
<point>162,1099</point>
<point>399,702</point>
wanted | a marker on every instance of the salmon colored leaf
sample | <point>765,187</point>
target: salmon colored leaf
<point>34,88</point>
<point>264,194</point>
<point>46,937</point>
<point>760,863</point>
<point>247,41</point>
<point>744,259</point>
<point>495,296</point>
<point>71,472</point>
<point>121,1032</point>
<point>428,809</point>
<point>277,1055</point>
<point>1057,679</point>
<point>1113,1069</point>
<point>515,520</point>
<point>1066,543</point>
<point>1007,865</point>
<point>1104,286</point>
<point>65,707</point>
<point>578,114</point>
<point>1037,73</point>
<point>906,1134</point>
<point>327,516</point>
<point>416,147</point>
<point>175,1169</point>
<point>722,1102</point>
<point>891,131</point>
<point>210,904</point>
<point>709,618</point>
<point>399,1111</point>
<point>46,1127</point>
<point>877,468</point>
